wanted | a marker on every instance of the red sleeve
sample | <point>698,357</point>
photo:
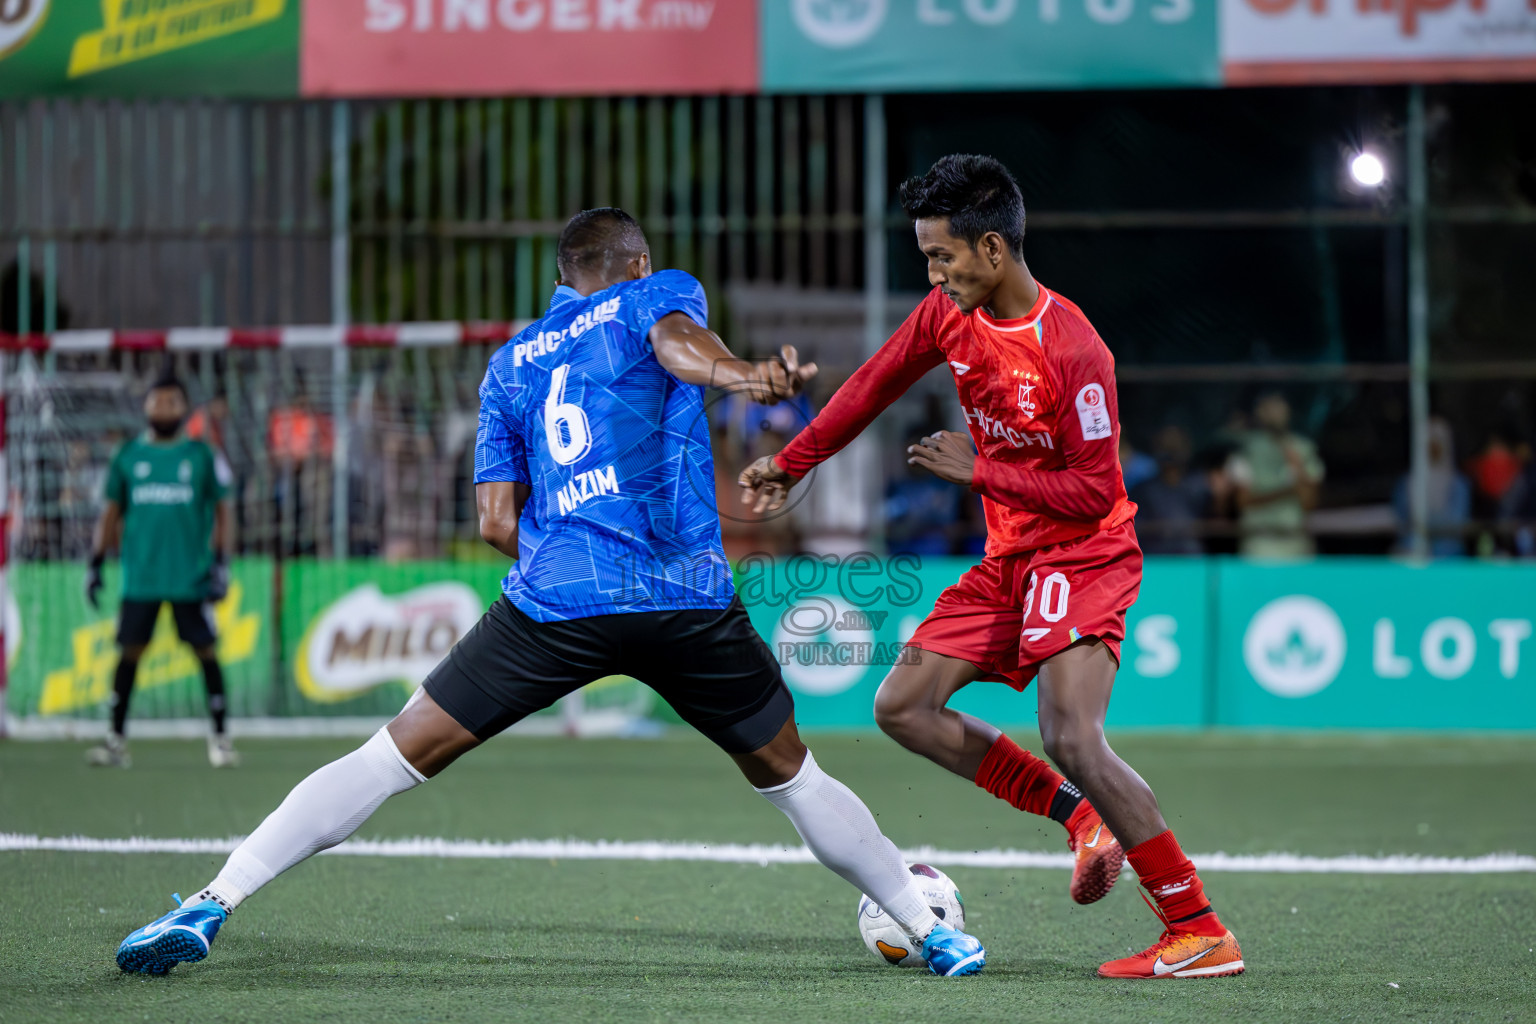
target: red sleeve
<point>1088,431</point>
<point>911,352</point>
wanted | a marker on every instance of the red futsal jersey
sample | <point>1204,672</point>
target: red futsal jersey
<point>1039,396</point>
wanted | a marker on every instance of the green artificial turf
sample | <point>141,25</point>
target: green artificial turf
<point>375,939</point>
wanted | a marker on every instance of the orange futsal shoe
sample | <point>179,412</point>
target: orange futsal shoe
<point>1180,955</point>
<point>1099,855</point>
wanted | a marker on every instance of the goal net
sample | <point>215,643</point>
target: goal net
<point>356,555</point>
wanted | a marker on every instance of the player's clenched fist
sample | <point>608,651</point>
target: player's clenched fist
<point>947,455</point>
<point>765,485</point>
<point>784,377</point>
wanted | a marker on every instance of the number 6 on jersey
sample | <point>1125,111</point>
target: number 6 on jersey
<point>565,425</point>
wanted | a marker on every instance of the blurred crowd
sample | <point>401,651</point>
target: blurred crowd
<point>1256,486</point>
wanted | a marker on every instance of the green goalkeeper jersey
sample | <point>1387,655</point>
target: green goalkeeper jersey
<point>167,491</point>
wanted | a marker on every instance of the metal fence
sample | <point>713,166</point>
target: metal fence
<point>1215,268</point>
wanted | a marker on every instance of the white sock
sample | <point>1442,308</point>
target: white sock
<point>840,831</point>
<point>320,812</point>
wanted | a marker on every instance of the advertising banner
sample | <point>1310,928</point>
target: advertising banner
<point>1315,41</point>
<point>149,47</point>
<point>1367,644</point>
<point>1336,644</point>
<point>837,626</point>
<point>61,652</point>
<point>361,635</point>
<point>940,45</point>
<point>540,47</point>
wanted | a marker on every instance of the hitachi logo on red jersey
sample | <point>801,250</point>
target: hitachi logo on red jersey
<point>992,427</point>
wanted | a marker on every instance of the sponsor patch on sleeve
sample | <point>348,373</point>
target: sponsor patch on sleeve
<point>1093,413</point>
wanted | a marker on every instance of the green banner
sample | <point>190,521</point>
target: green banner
<point>1368,644</point>
<point>938,45</point>
<point>61,653</point>
<point>245,48</point>
<point>837,626</point>
<point>1339,643</point>
<point>360,636</point>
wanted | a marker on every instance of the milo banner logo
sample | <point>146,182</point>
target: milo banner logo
<point>19,19</point>
<point>360,635</point>
<point>367,638</point>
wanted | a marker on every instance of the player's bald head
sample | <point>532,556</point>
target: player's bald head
<point>599,244</point>
<point>975,193</point>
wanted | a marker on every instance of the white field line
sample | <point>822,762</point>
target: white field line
<point>732,853</point>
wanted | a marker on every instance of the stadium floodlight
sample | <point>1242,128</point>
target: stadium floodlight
<point>1367,169</point>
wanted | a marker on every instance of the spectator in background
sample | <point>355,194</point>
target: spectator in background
<point>210,423</point>
<point>300,441</point>
<point>1498,491</point>
<point>1450,498</point>
<point>1173,502</point>
<point>1495,473</point>
<point>296,432</point>
<point>742,431</point>
<point>1136,467</point>
<point>922,514</point>
<point>1525,513</point>
<point>1275,475</point>
<point>83,482</point>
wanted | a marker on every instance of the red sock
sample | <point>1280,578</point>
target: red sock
<point>1011,773</point>
<point>1170,877</point>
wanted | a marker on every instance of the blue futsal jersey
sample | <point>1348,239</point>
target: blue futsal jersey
<point>622,516</point>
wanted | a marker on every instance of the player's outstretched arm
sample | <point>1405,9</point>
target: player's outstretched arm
<point>765,485</point>
<point>218,577</point>
<point>109,530</point>
<point>696,355</point>
<point>500,503</point>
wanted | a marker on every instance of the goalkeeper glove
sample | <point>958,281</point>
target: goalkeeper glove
<point>218,578</point>
<point>93,581</point>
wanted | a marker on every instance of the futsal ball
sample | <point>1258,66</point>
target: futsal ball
<point>884,936</point>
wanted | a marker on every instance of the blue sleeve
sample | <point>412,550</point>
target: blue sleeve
<point>669,291</point>
<point>500,455</point>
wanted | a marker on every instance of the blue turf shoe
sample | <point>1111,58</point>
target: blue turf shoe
<point>182,935</point>
<point>951,954</point>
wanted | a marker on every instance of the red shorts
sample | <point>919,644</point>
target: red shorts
<point>1012,612</point>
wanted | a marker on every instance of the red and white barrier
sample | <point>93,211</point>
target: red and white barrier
<point>174,339</point>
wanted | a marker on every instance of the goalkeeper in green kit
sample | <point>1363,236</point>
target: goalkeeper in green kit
<point>166,500</point>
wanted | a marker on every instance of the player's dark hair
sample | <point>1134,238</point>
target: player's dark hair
<point>976,193</point>
<point>168,379</point>
<point>599,241</point>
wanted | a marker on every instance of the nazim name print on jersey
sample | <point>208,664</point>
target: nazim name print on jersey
<point>594,483</point>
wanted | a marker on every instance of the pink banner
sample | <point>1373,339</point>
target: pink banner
<point>1309,42</point>
<point>542,47</point>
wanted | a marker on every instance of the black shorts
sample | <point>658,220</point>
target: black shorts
<point>194,622</point>
<point>709,664</point>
